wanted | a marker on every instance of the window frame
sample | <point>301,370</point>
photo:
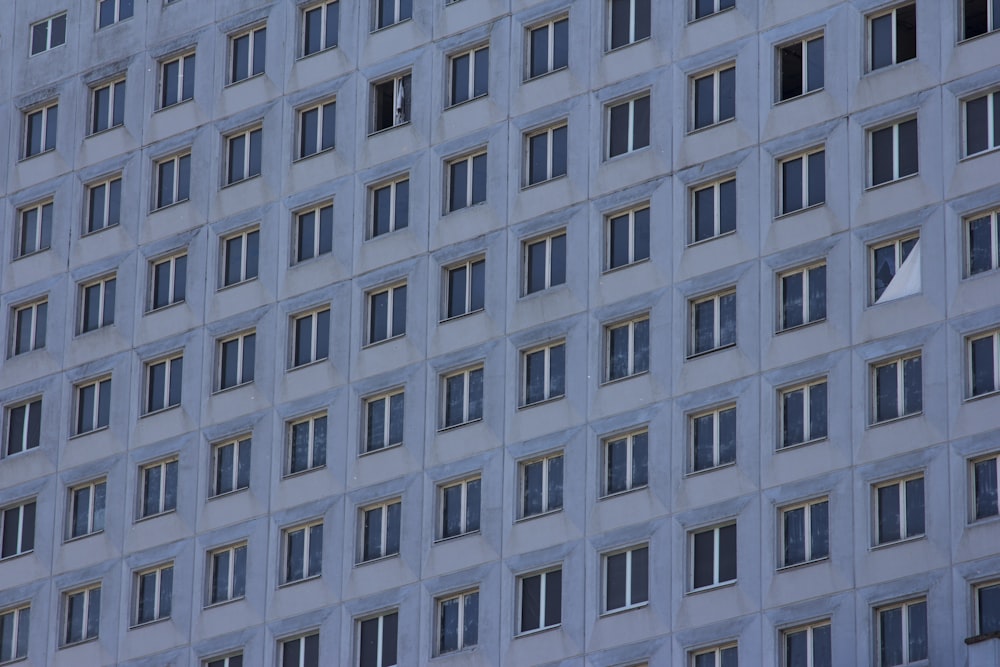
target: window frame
<point>368,406</point>
<point>804,157</point>
<point>808,546</point>
<point>177,162</point>
<point>716,413</point>
<point>24,540</point>
<point>634,23</point>
<point>36,313</point>
<point>394,292</point>
<point>253,33</point>
<point>719,115</point>
<point>461,623</point>
<point>322,231</point>
<point>905,638</point>
<point>804,80</point>
<point>633,254</point>
<point>809,629</point>
<point>302,642</point>
<point>117,12</point>
<point>107,185</point>
<point>807,284</point>
<point>105,310</point>
<point>100,385</point>
<point>381,642</point>
<point>970,386</point>
<point>718,231</point>
<point>992,97</point>
<point>43,212</point>
<point>320,107</point>
<point>138,578</point>
<point>165,466</point>
<point>903,499</point>
<point>977,597</point>
<point>384,508</point>
<point>392,184</point>
<point>233,577</point>
<point>318,339</point>
<point>631,128</point>
<point>114,115</point>
<point>629,584</point>
<point>716,557</point>
<point>49,23</point>
<point>242,448</point>
<point>717,328</point>
<point>324,37</point>
<point>897,244</point>
<point>549,25</point>
<point>246,273</point>
<point>469,160</point>
<point>172,280</point>
<point>241,338</point>
<point>223,660</point>
<point>894,39</point>
<point>470,88</point>
<point>993,220</point>
<point>399,6</point>
<point>249,136</point>
<point>315,451</point>
<point>470,283</point>
<point>402,87</point>
<point>181,58</point>
<point>897,174</point>
<point>634,365</point>
<point>307,529</point>
<point>717,651</point>
<point>465,526</point>
<point>170,376</point>
<point>543,611</point>
<point>974,495</point>
<point>806,387</point>
<point>19,637</point>
<point>631,463</point>
<point>26,425</point>
<point>550,156</point>
<point>992,21</point>
<point>86,621</point>
<point>48,111</point>
<point>548,504</point>
<point>900,361</point>
<point>717,7</point>
<point>548,392</point>
<point>466,373</point>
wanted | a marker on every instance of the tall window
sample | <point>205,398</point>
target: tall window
<point>378,638</point>
<point>626,462</point>
<point>34,229</point>
<point>713,210</point>
<point>306,444</point>
<point>713,556</point>
<point>979,17</point>
<point>897,388</point>
<point>163,384</point>
<point>983,242</point>
<point>892,36</point>
<point>899,510</point>
<point>803,181</point>
<point>895,269</point>
<point>30,324</point>
<point>470,72</point>
<point>24,427</point>
<point>985,472</point>
<point>627,345</point>
<point>627,240</point>
<point>240,254</point>
<point>628,22</point>
<point>546,154</point>
<point>168,281</point>
<point>803,413</point>
<point>48,33</point>
<point>803,296</point>
<point>97,304</point>
<point>703,8</point>
<point>390,12</point>
<point>380,529</point>
<point>545,262</point>
<point>982,123</point>
<point>541,485</point>
<point>82,620</point>
<point>236,360</point>
<point>227,579</point>
<point>466,287</point>
<point>246,54</point>
<point>460,508</point>
<point>987,608</point>
<point>390,206</point>
<point>893,152</point>
<point>626,578</point>
<point>104,202</point>
<point>713,438</point>
<point>713,322</point>
<point>320,27</point>
<point>544,373</point>
<point>40,129</point>
<point>110,12</point>
<point>14,625</point>
<point>383,421</point>
<point>173,180</point>
<point>93,405</point>
<point>808,645</point>
<point>714,97</point>
<point>313,232</point>
<point>243,151</point>
<point>539,600</point>
<point>158,488</point>
<point>466,181</point>
<point>154,594</point>
<point>107,106</point>
<point>902,633</point>
<point>984,363</point>
<point>391,99</point>
<point>230,466</point>
<point>458,622</point>
<point>302,552</point>
<point>386,313</point>
<point>17,529</point>
<point>463,396</point>
<point>296,652</point>
<point>628,126</point>
<point>86,508</point>
<point>311,336</point>
<point>800,67</point>
<point>317,128</point>
<point>548,47</point>
<point>805,532</point>
<point>717,656</point>
<point>176,80</point>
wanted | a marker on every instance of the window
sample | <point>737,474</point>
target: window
<point>803,413</point>
<point>713,322</point>
<point>97,304</point>
<point>545,262</point>
<point>384,421</point>
<point>228,574</point>
<point>713,556</point>
<point>466,181</point>
<point>463,396</point>
<point>30,323</point>
<point>297,652</point>
<point>548,47</point>
<point>805,532</point>
<point>713,438</point>
<point>390,12</point>
<point>902,633</point>
<point>544,373</point>
<point>893,152</point>
<point>83,615</point>
<point>470,72</point>
<point>312,337</point>
<point>113,11</point>
<point>163,384</point>
<point>176,80</point>
<point>628,126</point>
<point>546,154</point>
<point>390,206</point>
<point>714,97</point>
<point>14,625</point>
<point>988,608</point>
<point>803,296</point>
<point>626,462</point>
<point>983,242</point>
<point>104,202</point>
<point>243,152</point>
<point>893,36</point>
<point>984,363</point>
<point>800,67</point>
<point>984,487</point>
<point>898,388</point>
<point>808,646</point>
<point>240,253</point>
<point>627,348</point>
<point>24,427</point>
<point>803,181</point>
<point>718,656</point>
<point>460,508</point>
<point>230,466</point>
<point>626,578</point>
<point>158,488</point>
<point>86,508</point>
<point>236,360</point>
<point>980,17</point>
<point>313,232</point>
<point>466,288</point>
<point>895,269</point>
<point>703,8</point>
<point>34,233</point>
<point>628,22</point>
<point>153,594</point>
<point>173,180</point>
<point>17,529</point>
<point>391,100</point>
<point>303,552</point>
<point>169,280</point>
<point>247,53</point>
<point>48,34</point>
<point>40,130</point>
<point>982,123</point>
<point>386,313</point>
<point>380,530</point>
<point>317,128</point>
<point>378,636</point>
<point>899,510</point>
<point>93,405</point>
<point>541,485</point>
<point>713,209</point>
<point>539,600</point>
<point>458,622</point>
<point>228,661</point>
<point>107,106</point>
<point>320,27</point>
<point>306,444</point>
<point>627,240</point>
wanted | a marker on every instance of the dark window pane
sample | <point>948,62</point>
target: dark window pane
<point>533,488</point>
<point>704,101</point>
<point>797,648</point>
<point>459,185</point>
<point>640,457</point>
<point>704,555</point>
<point>531,599</point>
<point>538,159</point>
<point>814,71</point>
<point>449,625</point>
<point>472,505</point>
<point>912,386</point>
<point>982,365</point>
<point>615,581</point>
<point>727,436</point>
<point>791,185</point>
<point>393,513</point>
<point>791,71</point>
<point>241,58</point>
<point>620,23</point>
<point>479,179</point>
<point>917,631</point>
<point>727,553</point>
<point>402,204</point>
<point>795,538</point>
<point>908,163</point>
<point>460,78</point>
<point>820,530</point>
<point>792,417</point>
<point>704,213</point>
<point>976,19</point>
<point>989,609</point>
<point>480,84</point>
<point>881,47</point>
<point>618,130</point>
<point>791,293</point>
<point>888,514</point>
<point>539,51</point>
<point>727,93</point>
<point>915,507</point>
<point>555,487</point>
<point>817,411</point>
<point>560,47</point>
<point>640,123</point>
<point>559,151</point>
<point>640,575</point>
<point>727,206</point>
<point>906,33</point>
<point>617,466</point>
<point>259,49</point>
<point>817,178</point>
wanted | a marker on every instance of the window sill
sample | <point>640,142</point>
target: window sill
<point>94,232</point>
<point>114,23</point>
<point>627,154</point>
<point>697,355</point>
<point>543,291</point>
<point>712,587</point>
<point>795,566</point>
<point>159,411</point>
<point>986,151</point>
<point>617,49</point>
<point>708,16</point>
<point>450,427</point>
<point>149,517</point>
<point>160,309</point>
<point>170,205</point>
<point>797,327</point>
<point>699,130</point>
<point>226,186</point>
<point>797,445</point>
<point>529,186</point>
<point>25,158</point>
<point>370,452</point>
<point>222,603</point>
<point>382,341</point>
<point>376,560</point>
<point>893,420</point>
<point>984,275</point>
<point>886,68</point>
<point>236,284</point>
<point>870,188</point>
<point>551,399</point>
<point>966,40</point>
<point>529,79</point>
<point>465,207</point>
<point>17,555</point>
<point>297,473</point>
<point>226,494</point>
<point>93,430</point>
<point>51,48</point>
<point>796,97</point>
<point>985,394</point>
<point>535,631</point>
<point>223,390</point>
<point>541,514</point>
<point>27,450</point>
<point>976,639</point>
<point>622,610</point>
<point>106,130</point>
<point>788,214</point>
<point>77,538</point>
<point>616,269</point>
<point>699,242</point>
<point>30,254</point>
<point>304,56</point>
<point>455,105</point>
<point>78,642</point>
<point>246,78</point>
<point>143,624</point>
<point>378,29</point>
<point>696,473</point>
<point>80,334</point>
<point>885,545</point>
<point>612,381</point>
<point>312,577</point>
<point>314,362</point>
<point>462,650</point>
<point>391,127</point>
<point>450,538</point>
<point>173,105</point>
<point>303,158</point>
<point>461,315</point>
<point>623,492</point>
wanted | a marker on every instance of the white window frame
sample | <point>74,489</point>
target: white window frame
<point>901,485</point>
<point>246,170</point>
<point>548,392</point>
<point>463,644</point>
<point>469,87</point>
<point>469,197</point>
<point>231,552</point>
<point>91,509</point>
<point>628,552</point>
<point>48,34</point>
<point>992,98</point>
<point>397,14</point>
<point>716,415</point>
<point>106,185</point>
<point>466,401</point>
<point>870,141</point>
<point>392,185</point>
<point>803,42</point>
<point>99,385</point>
<point>809,630</point>
<point>157,572</point>
<point>19,548</point>
<point>630,103</point>
<point>307,536</point>
<point>897,244</point>
<point>548,240</point>
<point>117,16</point>
<point>241,447</point>
<point>992,21</point>
<point>49,132</point>
<point>905,606</point>
<point>315,336</point>
<point>468,266</point>
<point>900,363</point>
<point>320,108</point>
<point>809,548</point>
<point>994,459</point>
<point>548,25</point>
<point>253,34</point>
<point>381,639</point>
<point>38,330</point>
<point>116,91</point>
<point>631,483</point>
<point>103,310</point>
<point>803,157</point>
<point>174,163</point>
<point>464,528</point>
<point>161,503</point>
<point>222,661</point>
<point>806,388</point>
<point>549,153</point>
<point>717,343</point>
<point>18,639</point>
<point>542,599</point>
<point>717,111</point>
<point>894,22</point>
<point>384,440</point>
<point>995,346</point>
<point>806,311</point>
<point>548,504</point>
<point>244,258</point>
<point>993,218</point>
<point>977,603</point>
<point>317,212</point>
<point>717,231</point>
<point>181,59</point>
<point>301,643</point>
<point>241,340</point>
<point>633,368</point>
<point>716,557</point>
<point>172,280</point>
<point>324,9</point>
<point>168,382</point>
<point>633,23</point>
<point>43,213</point>
<point>88,593</point>
<point>630,216</point>
<point>29,405</point>
<point>382,508</point>
<point>392,295</point>
<point>402,89</point>
<point>313,448</point>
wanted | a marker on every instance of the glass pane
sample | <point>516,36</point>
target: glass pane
<point>329,138</point>
<point>555,488</point>
<point>791,185</point>
<point>531,589</point>
<point>727,206</point>
<point>557,269</point>
<point>478,296</point>
<point>458,185</point>
<point>456,291</point>
<point>797,648</point>
<point>908,163</point>
<point>727,553</point>
<point>640,575</point>
<point>791,300</point>
<point>533,491</point>
<point>985,473</point>
<point>980,242</point>
<point>618,130</point>
<point>888,514</point>
<point>704,213</point>
<point>814,53</point>
<point>792,413</point>
<point>704,101</point>
<point>537,261</point>
<point>917,631</point>
<point>560,48</point>
<point>915,507</point>
<point>640,459</point>
<point>727,320</point>
<point>727,93</point>
<point>479,179</point>
<point>557,371</point>
<point>704,558</point>
<point>539,51</point>
<point>795,538</point>
<point>538,158</point>
<point>373,534</point>
<point>399,310</point>
<point>313,31</point>
<point>640,123</point>
<point>620,23</point>
<point>559,151</point>
<point>452,511</point>
<point>817,178</point>
<point>882,156</point>
<point>881,36</point>
<point>989,609</point>
<point>470,630</point>
<point>617,466</point>
<point>615,581</point>
<point>553,598</point>
<point>259,49</point>
<point>188,91</point>
<point>906,33</point>
<point>460,79</point>
<point>817,411</point>
<point>449,625</point>
<point>791,71</point>
<point>817,293</point>
<point>315,550</point>
<point>402,204</point>
<point>480,84</point>
<point>382,210</point>
<point>912,386</point>
<point>886,392</point>
<point>472,505</point>
<point>393,513</point>
<point>241,58</point>
<point>820,529</point>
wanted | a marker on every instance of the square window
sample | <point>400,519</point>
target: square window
<point>40,126</point>
<point>390,12</point>
<point>462,397</point>
<point>30,322</point>
<point>168,281</point>
<point>17,529</point>
<point>34,229</point>
<point>545,154</point>
<point>154,594</point>
<point>243,155</point>
<point>158,488</point>
<point>803,413</point>
<point>548,47</point>
<point>228,661</point>
<point>984,363</point>
<point>893,152</point>
<point>386,313</point>
<point>984,474</point>
<point>383,421</point>
<point>982,123</point>
<point>14,624</point>
<point>311,336</point>
<point>317,128</point>
<point>247,51</point>
<point>545,262</point>
<point>627,237</point>
<point>628,22</point>
<point>982,242</point>
<point>805,532</point>
<point>163,384</point>
<point>97,304</point>
<point>302,552</point>
<point>24,426</point>
<point>298,652</point>
<point>107,106</point>
<point>466,181</point>
<point>236,360</point>
<point>800,67</point>
<point>306,444</point>
<point>713,438</point>
<point>808,645</point>
<point>320,27</point>
<point>93,405</point>
<point>110,12</point>
<point>626,578</point>
<point>892,36</point>
<point>391,100</point>
<point>979,17</point>
<point>104,204</point>
<point>466,288</point>
<point>541,485</point>
<point>173,180</point>
<point>544,372</point>
<point>313,232</point>
<point>626,462</point>
<point>230,466</point>
<point>380,528</point>
<point>627,345</point>
<point>895,269</point>
<point>240,254</point>
<point>378,636</point>
<point>897,388</point>
<point>458,622</point>
<point>470,72</point>
<point>48,33</point>
<point>176,80</point>
<point>713,210</point>
<point>902,633</point>
<point>390,206</point>
<point>227,573</point>
<point>713,556</point>
<point>987,608</point>
<point>539,600</point>
<point>802,296</point>
<point>628,126</point>
<point>703,8</point>
<point>460,504</point>
<point>899,510</point>
<point>802,181</point>
<point>713,97</point>
<point>713,322</point>
<point>82,620</point>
